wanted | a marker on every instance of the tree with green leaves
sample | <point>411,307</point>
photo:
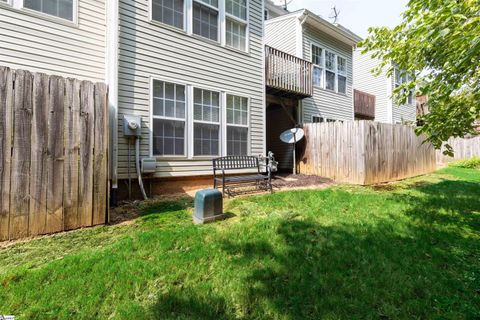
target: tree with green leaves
<point>438,45</point>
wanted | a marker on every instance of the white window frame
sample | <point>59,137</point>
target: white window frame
<point>403,79</point>
<point>238,20</point>
<point>19,4</point>
<point>324,69</point>
<point>189,121</point>
<point>222,22</point>
<point>219,124</point>
<point>237,125</point>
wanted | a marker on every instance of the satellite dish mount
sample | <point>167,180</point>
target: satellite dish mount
<point>292,136</point>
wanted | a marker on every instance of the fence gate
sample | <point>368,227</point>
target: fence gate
<point>53,154</point>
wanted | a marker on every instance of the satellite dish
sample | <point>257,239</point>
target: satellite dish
<point>292,136</point>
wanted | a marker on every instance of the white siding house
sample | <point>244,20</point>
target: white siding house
<point>195,76</point>
<point>330,48</point>
<point>65,38</point>
<point>382,87</point>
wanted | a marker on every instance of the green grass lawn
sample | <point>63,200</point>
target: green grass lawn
<point>409,250</point>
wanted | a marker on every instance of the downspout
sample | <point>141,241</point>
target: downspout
<point>111,79</point>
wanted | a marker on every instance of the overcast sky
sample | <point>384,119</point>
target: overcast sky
<point>356,15</point>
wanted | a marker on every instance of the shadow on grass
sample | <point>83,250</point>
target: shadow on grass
<point>427,268</point>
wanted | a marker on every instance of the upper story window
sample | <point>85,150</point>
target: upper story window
<point>401,78</point>
<point>265,14</point>
<point>59,8</point>
<point>206,18</point>
<point>236,23</point>
<point>170,12</point>
<point>329,71</point>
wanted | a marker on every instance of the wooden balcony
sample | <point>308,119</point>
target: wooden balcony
<point>287,75</point>
<point>364,105</point>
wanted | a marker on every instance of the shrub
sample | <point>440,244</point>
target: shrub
<point>473,163</point>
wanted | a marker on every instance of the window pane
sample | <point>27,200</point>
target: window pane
<point>341,65</point>
<point>206,105</point>
<point>237,141</point>
<point>330,80</point>
<point>205,21</point>
<point>238,8</point>
<point>168,100</point>
<point>237,110</point>
<point>58,8</point>
<point>206,139</point>
<point>317,57</point>
<point>236,35</point>
<point>168,11</point>
<point>168,137</point>
<point>317,77</point>
<point>330,61</point>
<point>342,84</point>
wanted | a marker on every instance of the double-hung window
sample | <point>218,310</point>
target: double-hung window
<point>329,70</point>
<point>223,21</point>
<point>317,60</point>
<point>205,18</point>
<point>330,73</point>
<point>169,119</point>
<point>237,125</point>
<point>206,122</point>
<point>341,74</point>
<point>170,12</point>
<point>401,78</point>
<point>236,23</point>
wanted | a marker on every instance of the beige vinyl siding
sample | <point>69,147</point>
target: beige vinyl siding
<point>47,44</point>
<point>281,34</point>
<point>365,81</point>
<point>152,50</point>
<point>326,103</point>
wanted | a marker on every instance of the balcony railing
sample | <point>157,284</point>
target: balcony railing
<point>364,105</point>
<point>287,75</point>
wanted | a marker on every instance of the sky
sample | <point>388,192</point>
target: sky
<point>356,15</point>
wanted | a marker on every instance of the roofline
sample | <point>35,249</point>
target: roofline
<point>336,30</point>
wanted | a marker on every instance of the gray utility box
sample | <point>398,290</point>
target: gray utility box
<point>208,206</point>
<point>132,125</point>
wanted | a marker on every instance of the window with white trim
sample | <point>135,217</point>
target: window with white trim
<point>59,8</point>
<point>169,119</point>
<point>401,78</point>
<point>237,125</point>
<point>329,70</point>
<point>341,75</point>
<point>206,122</point>
<point>330,73</point>
<point>317,60</point>
<point>170,12</point>
<point>205,18</point>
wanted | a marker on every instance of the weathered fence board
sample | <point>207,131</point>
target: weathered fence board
<point>53,154</point>
<point>365,152</point>
<point>85,191</point>
<point>100,170</point>
<point>6,97</point>
<point>20,167</point>
<point>38,170</point>
<point>72,147</point>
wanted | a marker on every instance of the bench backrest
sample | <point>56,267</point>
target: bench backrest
<point>235,162</point>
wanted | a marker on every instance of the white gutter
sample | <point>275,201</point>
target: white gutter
<point>111,79</point>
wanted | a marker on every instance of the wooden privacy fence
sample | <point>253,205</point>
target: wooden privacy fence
<point>464,148</point>
<point>365,152</point>
<point>53,154</point>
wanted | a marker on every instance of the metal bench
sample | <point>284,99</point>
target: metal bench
<point>230,163</point>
